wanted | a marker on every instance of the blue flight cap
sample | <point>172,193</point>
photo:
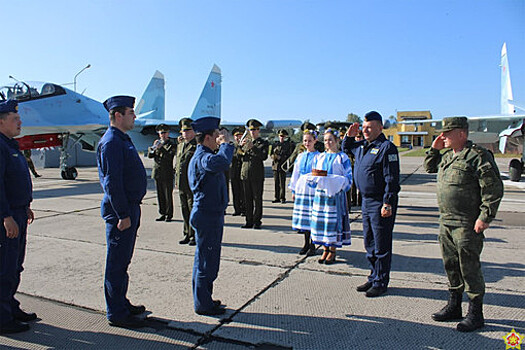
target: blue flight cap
<point>205,124</point>
<point>119,101</point>
<point>373,115</point>
<point>9,106</point>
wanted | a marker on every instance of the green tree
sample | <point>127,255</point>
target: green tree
<point>353,118</point>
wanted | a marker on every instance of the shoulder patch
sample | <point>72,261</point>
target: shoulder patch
<point>392,158</point>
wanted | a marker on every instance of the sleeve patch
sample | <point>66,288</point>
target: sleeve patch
<point>392,158</point>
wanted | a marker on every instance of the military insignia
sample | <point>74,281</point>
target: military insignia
<point>16,108</point>
<point>392,157</point>
<point>15,154</point>
<point>513,340</point>
<point>374,150</point>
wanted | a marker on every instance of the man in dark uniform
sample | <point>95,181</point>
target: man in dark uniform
<point>255,151</point>
<point>469,190</point>
<point>207,181</point>
<point>235,174</point>
<point>185,150</point>
<point>376,174</point>
<point>16,194</point>
<point>281,150</point>
<point>162,152</point>
<point>123,179</point>
<point>27,154</point>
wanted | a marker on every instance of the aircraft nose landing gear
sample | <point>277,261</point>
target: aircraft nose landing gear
<point>69,173</point>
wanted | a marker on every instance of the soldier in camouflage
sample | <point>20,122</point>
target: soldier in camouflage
<point>281,150</point>
<point>469,190</point>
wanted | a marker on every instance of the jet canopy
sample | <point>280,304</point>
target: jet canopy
<point>22,91</point>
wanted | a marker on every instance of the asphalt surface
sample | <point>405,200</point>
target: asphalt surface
<point>276,299</point>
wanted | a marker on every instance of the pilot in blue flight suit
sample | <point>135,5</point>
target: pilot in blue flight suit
<point>210,199</point>
<point>123,179</point>
<point>376,174</point>
<point>16,194</point>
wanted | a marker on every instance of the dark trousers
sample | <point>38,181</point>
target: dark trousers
<point>186,204</point>
<point>165,196</point>
<point>120,246</point>
<point>238,195</point>
<point>377,234</point>
<point>12,254</point>
<point>208,233</point>
<point>461,248</point>
<point>253,191</point>
<point>279,178</point>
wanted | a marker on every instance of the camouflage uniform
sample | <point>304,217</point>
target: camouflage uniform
<point>469,187</point>
<point>162,173</point>
<point>185,151</point>
<point>236,183</point>
<point>280,153</point>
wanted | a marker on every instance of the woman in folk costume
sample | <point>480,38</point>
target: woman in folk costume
<point>330,224</point>
<point>302,200</point>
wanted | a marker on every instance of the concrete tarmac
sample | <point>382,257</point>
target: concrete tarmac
<point>276,299</point>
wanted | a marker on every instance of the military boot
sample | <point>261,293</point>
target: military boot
<point>451,311</point>
<point>474,318</point>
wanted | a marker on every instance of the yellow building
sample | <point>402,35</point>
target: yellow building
<point>413,133</point>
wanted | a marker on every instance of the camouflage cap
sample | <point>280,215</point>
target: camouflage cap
<point>185,124</point>
<point>283,132</point>
<point>452,123</point>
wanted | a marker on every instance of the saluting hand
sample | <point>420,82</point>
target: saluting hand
<point>124,224</point>
<point>11,227</point>
<point>353,130</point>
<point>439,142</point>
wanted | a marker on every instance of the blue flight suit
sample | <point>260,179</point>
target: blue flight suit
<point>123,179</point>
<point>210,199</point>
<point>16,193</point>
<point>376,174</point>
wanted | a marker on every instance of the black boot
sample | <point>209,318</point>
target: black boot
<point>306,245</point>
<point>474,318</point>
<point>452,311</point>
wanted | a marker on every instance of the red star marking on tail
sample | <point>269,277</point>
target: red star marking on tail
<point>212,84</point>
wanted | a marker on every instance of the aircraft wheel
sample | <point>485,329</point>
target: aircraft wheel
<point>515,170</point>
<point>69,174</point>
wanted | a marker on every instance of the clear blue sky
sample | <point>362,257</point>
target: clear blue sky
<point>316,59</point>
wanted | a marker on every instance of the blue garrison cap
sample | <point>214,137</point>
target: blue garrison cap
<point>119,101</point>
<point>205,124</point>
<point>373,115</point>
<point>9,106</point>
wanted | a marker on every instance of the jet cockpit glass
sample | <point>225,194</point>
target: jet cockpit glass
<point>22,91</point>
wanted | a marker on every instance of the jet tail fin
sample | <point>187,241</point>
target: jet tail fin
<point>507,107</point>
<point>152,103</point>
<point>209,103</point>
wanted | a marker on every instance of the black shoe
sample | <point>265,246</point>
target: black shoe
<point>311,251</point>
<point>474,319</point>
<point>216,310</point>
<point>257,226</point>
<point>169,219</point>
<point>303,250</point>
<point>128,322</point>
<point>184,241</point>
<point>243,214</point>
<point>452,311</point>
<point>37,175</point>
<point>330,261</point>
<point>217,303</point>
<point>364,287</point>
<point>275,201</point>
<point>375,292</point>
<point>237,214</point>
<point>136,309</point>
<point>283,201</point>
<point>162,218</point>
<point>14,327</point>
<point>23,316</point>
<point>247,226</point>
<point>192,242</point>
